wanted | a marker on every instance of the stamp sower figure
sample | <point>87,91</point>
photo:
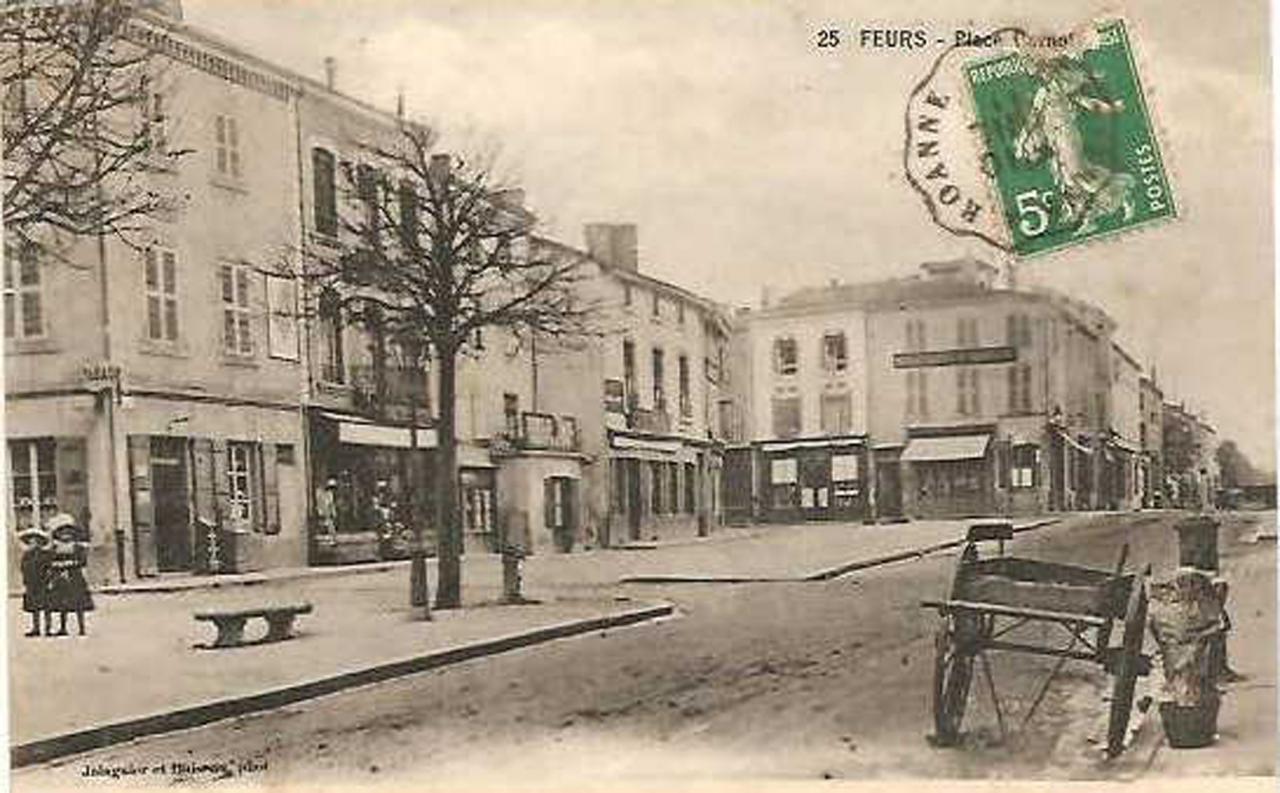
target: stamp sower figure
<point>35,577</point>
<point>68,590</point>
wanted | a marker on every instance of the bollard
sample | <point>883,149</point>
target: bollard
<point>511,583</point>
<point>1187,619</point>
<point>1198,543</point>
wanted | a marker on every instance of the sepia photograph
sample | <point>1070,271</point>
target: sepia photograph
<point>609,394</point>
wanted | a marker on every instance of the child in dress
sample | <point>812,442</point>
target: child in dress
<point>35,578</point>
<point>68,590</point>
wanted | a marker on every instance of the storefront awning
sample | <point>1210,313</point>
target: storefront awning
<point>952,447</point>
<point>384,435</point>
<point>819,443</point>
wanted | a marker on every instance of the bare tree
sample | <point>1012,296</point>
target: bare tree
<point>82,121</point>
<point>437,252</point>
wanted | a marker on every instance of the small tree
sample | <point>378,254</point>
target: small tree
<point>80,121</point>
<point>440,251</point>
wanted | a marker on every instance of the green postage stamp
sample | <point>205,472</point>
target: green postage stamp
<point>1071,145</point>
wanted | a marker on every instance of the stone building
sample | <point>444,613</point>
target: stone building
<point>156,392</point>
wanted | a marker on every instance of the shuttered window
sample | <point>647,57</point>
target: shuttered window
<point>160,276</point>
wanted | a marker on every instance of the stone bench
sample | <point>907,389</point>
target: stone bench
<point>231,624</point>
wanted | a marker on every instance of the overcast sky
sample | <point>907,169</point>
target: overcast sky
<point>749,158</point>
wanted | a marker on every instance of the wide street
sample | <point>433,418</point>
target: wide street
<point>785,680</point>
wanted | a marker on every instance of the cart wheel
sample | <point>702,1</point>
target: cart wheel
<point>1135,625</point>
<point>952,672</point>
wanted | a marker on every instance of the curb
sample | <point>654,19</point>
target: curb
<point>827,574</point>
<point>58,746</point>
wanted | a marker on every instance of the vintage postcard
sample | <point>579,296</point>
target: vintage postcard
<point>610,394</point>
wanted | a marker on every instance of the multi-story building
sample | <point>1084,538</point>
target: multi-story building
<point>662,358</point>
<point>804,378</point>
<point>1190,465</point>
<point>1151,466</point>
<point>172,404</point>
<point>971,399</point>
<point>1123,452</point>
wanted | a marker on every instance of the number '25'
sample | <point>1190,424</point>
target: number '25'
<point>829,37</point>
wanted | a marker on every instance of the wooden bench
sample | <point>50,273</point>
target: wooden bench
<point>231,624</point>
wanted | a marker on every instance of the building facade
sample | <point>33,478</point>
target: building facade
<point>1151,471</point>
<point>805,379</point>
<point>173,407</point>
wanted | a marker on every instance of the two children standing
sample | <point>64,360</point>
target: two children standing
<point>53,575</point>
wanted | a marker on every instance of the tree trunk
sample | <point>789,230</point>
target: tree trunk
<point>419,589</point>
<point>449,583</point>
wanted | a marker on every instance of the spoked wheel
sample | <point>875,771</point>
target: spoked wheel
<point>1127,667</point>
<point>952,674</point>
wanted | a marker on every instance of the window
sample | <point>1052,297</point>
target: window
<point>836,414</point>
<point>690,488</point>
<point>23,301</point>
<point>967,392</point>
<point>368,180</point>
<point>783,481</point>
<point>285,454</point>
<point>559,494</point>
<point>845,468</point>
<point>659,396</point>
<point>161,279</point>
<point>786,417</point>
<point>237,337</point>
<point>657,305</point>
<point>915,335</point>
<point>966,332</point>
<point>917,394</point>
<point>409,213</point>
<point>655,489</point>
<point>332,365</point>
<point>1018,329</point>
<point>240,482</point>
<point>680,311</point>
<point>686,400</point>
<point>511,414</point>
<point>227,150</point>
<point>785,356</point>
<point>33,482</point>
<point>325,195</point>
<point>1026,465</point>
<point>835,352</point>
<point>629,370</point>
<point>154,121</point>
<point>1020,388</point>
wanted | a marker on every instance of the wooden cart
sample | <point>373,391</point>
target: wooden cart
<point>992,597</point>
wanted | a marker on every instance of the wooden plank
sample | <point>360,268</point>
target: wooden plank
<point>1013,611</point>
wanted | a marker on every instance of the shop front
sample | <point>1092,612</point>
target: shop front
<point>949,476</point>
<point>818,479</point>
<point>660,487</point>
<point>370,482</point>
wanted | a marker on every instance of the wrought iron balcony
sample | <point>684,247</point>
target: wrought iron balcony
<point>547,431</point>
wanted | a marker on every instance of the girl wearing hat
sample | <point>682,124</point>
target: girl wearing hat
<point>35,577</point>
<point>68,590</point>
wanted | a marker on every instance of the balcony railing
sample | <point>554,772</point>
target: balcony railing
<point>547,431</point>
<point>650,420</point>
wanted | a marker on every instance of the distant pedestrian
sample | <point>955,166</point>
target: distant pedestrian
<point>68,591</point>
<point>35,578</point>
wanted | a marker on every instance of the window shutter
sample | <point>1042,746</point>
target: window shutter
<point>549,503</point>
<point>270,490</point>
<point>72,479</point>
<point>144,545</point>
<point>570,493</point>
<point>221,482</point>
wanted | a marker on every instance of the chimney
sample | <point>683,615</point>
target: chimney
<point>441,165</point>
<point>330,71</point>
<point>400,103</point>
<point>613,244</point>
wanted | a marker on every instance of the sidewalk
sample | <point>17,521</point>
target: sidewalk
<point>140,658</point>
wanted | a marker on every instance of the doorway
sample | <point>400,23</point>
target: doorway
<point>169,488</point>
<point>634,504</point>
